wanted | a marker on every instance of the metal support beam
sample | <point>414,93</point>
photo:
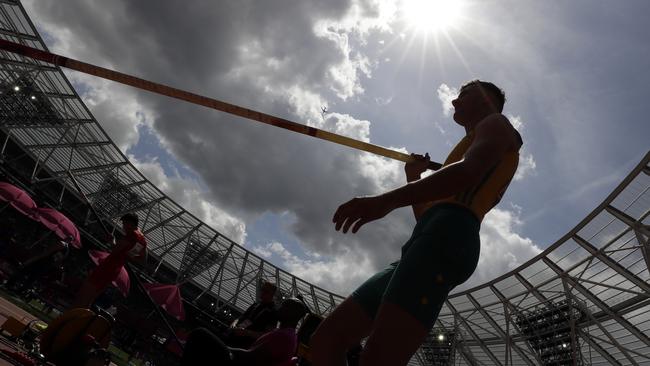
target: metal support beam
<point>469,329</point>
<point>628,220</point>
<point>233,298</point>
<point>493,323</point>
<point>74,145</point>
<point>117,188</point>
<point>176,242</point>
<point>599,349</point>
<point>599,303</point>
<point>164,222</point>
<point>203,250</point>
<point>90,169</point>
<point>241,273</point>
<point>645,248</point>
<point>314,298</point>
<point>17,34</point>
<point>142,206</point>
<point>216,275</point>
<point>612,264</point>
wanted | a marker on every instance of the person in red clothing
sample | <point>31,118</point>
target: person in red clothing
<point>274,348</point>
<point>133,246</point>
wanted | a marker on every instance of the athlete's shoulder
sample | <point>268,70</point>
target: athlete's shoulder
<point>492,121</point>
<point>140,237</point>
<point>498,125</point>
<point>136,236</point>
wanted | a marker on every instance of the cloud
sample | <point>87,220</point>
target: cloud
<point>188,194</point>
<point>115,106</point>
<point>346,125</point>
<point>502,248</point>
<point>446,95</point>
<point>262,252</point>
<point>527,164</point>
<point>384,174</point>
<point>516,122</point>
<point>344,272</point>
<point>381,101</point>
<point>526,167</point>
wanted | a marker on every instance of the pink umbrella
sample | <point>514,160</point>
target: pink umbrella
<point>60,225</point>
<point>19,199</point>
<point>122,282</point>
<point>168,297</point>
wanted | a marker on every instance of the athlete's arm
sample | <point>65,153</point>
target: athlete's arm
<point>261,353</point>
<point>122,245</point>
<point>140,258</point>
<point>413,170</point>
<point>494,136</point>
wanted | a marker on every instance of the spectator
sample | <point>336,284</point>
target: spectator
<point>274,348</point>
<point>39,266</point>
<point>258,319</point>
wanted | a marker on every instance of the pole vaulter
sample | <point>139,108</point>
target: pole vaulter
<point>172,92</point>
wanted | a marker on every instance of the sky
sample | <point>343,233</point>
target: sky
<point>574,73</point>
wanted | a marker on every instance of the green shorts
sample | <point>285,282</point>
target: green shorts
<point>442,253</point>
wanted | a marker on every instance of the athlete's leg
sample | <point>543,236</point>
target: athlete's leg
<point>438,257</point>
<point>395,337</point>
<point>410,306</point>
<point>350,322</point>
<point>344,328</point>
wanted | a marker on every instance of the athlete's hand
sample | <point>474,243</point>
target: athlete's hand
<point>359,211</point>
<point>417,166</point>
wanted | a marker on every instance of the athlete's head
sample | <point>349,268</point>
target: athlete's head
<point>267,292</point>
<point>476,99</point>
<point>129,221</point>
<point>291,311</point>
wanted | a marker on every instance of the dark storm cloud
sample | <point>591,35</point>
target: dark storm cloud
<point>254,54</point>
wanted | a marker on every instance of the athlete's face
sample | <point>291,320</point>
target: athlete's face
<point>128,226</point>
<point>291,311</point>
<point>266,293</point>
<point>469,104</point>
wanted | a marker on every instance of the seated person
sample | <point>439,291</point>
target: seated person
<point>37,267</point>
<point>258,319</point>
<point>276,347</point>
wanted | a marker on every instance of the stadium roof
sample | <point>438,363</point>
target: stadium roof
<point>593,282</point>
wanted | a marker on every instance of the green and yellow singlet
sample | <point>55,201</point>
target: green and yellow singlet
<point>482,197</point>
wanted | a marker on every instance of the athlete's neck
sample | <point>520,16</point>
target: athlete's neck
<point>472,123</point>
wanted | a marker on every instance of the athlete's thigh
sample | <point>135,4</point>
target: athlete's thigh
<point>352,320</point>
<point>346,326</point>
<point>395,337</point>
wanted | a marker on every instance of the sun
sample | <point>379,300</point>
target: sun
<point>431,15</point>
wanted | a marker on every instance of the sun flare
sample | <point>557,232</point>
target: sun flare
<point>431,15</point>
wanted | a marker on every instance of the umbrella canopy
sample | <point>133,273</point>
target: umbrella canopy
<point>60,225</point>
<point>168,297</point>
<point>19,199</point>
<point>122,282</point>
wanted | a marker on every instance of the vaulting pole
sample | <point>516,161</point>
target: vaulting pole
<point>161,89</point>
